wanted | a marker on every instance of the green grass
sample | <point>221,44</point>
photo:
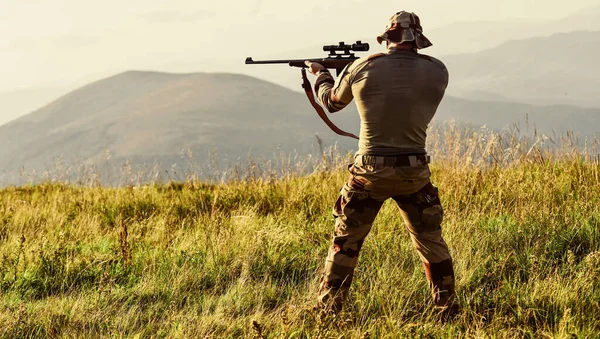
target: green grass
<point>243,258</point>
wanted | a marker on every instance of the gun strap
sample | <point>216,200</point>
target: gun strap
<point>311,98</point>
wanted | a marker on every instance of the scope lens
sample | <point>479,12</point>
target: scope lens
<point>361,47</point>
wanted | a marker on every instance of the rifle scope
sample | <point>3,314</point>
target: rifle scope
<point>342,47</point>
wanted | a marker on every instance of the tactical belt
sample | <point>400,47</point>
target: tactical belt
<point>398,160</point>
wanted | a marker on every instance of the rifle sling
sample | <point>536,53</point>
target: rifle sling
<point>311,98</point>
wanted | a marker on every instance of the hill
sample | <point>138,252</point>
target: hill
<point>476,36</point>
<point>558,69</point>
<point>548,119</point>
<point>148,116</point>
<point>160,119</point>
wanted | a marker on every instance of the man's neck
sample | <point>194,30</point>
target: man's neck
<point>403,46</point>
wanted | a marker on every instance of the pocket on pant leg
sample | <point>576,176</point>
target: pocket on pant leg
<point>431,218</point>
<point>422,210</point>
<point>430,208</point>
<point>355,207</point>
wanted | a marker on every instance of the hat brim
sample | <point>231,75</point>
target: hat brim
<point>401,35</point>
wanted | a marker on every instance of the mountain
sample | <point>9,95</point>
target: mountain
<point>144,116</point>
<point>552,120</point>
<point>475,36</point>
<point>558,69</point>
<point>149,118</point>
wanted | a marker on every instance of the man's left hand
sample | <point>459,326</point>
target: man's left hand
<point>314,67</point>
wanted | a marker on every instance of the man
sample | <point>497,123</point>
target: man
<point>397,94</point>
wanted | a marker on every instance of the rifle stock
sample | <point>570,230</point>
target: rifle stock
<point>337,64</point>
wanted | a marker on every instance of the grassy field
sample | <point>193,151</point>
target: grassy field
<point>242,258</point>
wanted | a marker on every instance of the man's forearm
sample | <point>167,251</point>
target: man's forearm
<point>324,87</point>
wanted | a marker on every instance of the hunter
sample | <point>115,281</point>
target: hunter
<point>397,94</point>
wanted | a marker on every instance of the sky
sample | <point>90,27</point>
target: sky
<point>70,42</point>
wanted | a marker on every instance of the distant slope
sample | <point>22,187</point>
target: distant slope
<point>559,69</point>
<point>145,115</point>
<point>549,120</point>
<point>149,117</point>
<point>474,36</point>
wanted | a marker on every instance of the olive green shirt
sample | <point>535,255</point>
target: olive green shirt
<point>397,94</point>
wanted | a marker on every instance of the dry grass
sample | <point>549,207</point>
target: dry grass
<point>241,258</point>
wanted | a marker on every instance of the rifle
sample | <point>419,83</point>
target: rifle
<point>334,60</point>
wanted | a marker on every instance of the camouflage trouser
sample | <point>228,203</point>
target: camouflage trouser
<point>373,180</point>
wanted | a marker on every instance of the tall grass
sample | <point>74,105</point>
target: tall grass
<point>242,257</point>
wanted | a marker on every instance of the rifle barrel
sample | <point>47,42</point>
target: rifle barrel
<point>250,61</point>
<point>335,63</point>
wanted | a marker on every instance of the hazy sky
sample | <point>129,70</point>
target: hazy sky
<point>61,42</point>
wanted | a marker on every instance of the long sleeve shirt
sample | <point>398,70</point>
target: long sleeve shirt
<point>397,94</point>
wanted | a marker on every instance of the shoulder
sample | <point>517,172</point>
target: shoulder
<point>357,66</point>
<point>360,63</point>
<point>435,61</point>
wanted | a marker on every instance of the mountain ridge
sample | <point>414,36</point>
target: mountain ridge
<point>145,117</point>
<point>479,35</point>
<point>560,68</point>
<point>153,114</point>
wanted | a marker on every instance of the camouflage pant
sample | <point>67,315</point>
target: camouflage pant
<point>373,180</point>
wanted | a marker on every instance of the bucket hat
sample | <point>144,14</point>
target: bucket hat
<point>404,27</point>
